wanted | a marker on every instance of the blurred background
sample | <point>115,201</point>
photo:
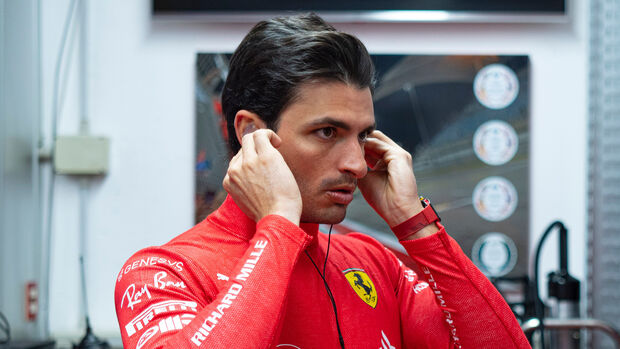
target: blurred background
<point>111,140</point>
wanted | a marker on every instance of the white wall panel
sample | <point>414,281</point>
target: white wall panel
<point>20,234</point>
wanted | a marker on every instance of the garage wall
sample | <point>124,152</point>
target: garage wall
<point>141,95</point>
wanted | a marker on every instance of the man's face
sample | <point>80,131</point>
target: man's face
<point>323,134</point>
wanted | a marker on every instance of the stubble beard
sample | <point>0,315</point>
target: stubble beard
<point>331,215</point>
<point>316,207</point>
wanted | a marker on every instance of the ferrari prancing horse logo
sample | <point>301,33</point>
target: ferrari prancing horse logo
<point>362,285</point>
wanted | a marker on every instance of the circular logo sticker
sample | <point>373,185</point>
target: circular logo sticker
<point>496,86</point>
<point>495,142</point>
<point>495,254</point>
<point>495,199</point>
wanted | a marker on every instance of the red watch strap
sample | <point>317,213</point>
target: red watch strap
<point>416,223</point>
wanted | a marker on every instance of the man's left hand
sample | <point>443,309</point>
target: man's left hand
<point>390,187</point>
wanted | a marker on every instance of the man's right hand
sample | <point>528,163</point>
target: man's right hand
<point>260,181</point>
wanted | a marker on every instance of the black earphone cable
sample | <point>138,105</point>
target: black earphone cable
<point>329,240</point>
<point>329,291</point>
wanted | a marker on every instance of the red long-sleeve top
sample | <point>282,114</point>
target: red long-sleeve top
<point>232,283</point>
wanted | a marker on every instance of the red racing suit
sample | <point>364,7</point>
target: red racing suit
<point>232,283</point>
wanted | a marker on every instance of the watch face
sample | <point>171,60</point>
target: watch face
<point>425,202</point>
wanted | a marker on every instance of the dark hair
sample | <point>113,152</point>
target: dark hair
<point>277,56</point>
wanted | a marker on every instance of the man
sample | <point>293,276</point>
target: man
<point>257,274</point>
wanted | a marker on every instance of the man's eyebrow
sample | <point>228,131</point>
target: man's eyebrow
<point>340,124</point>
<point>371,128</point>
<point>331,121</point>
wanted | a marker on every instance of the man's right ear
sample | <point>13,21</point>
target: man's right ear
<point>247,122</point>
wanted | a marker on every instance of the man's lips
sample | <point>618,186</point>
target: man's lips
<point>341,195</point>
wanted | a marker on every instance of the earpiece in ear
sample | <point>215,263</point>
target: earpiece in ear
<point>249,129</point>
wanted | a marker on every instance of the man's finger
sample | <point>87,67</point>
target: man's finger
<point>380,135</point>
<point>274,138</point>
<point>376,164</point>
<point>235,158</point>
<point>226,183</point>
<point>263,141</point>
<point>374,152</point>
<point>247,147</point>
<point>376,147</point>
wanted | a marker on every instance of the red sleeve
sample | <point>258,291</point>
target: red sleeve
<point>455,293</point>
<point>152,315</point>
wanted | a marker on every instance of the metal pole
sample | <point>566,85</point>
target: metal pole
<point>533,324</point>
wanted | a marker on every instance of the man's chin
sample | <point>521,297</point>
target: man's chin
<point>333,215</point>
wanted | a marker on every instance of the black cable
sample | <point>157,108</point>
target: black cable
<point>4,327</point>
<point>539,305</point>
<point>329,240</point>
<point>331,298</point>
<point>329,291</point>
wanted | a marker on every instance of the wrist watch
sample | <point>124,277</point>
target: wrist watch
<point>427,216</point>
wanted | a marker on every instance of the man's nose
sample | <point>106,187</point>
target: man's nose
<point>352,159</point>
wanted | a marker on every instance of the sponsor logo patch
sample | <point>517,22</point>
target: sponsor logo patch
<point>419,287</point>
<point>149,261</point>
<point>140,321</point>
<point>410,275</point>
<point>171,323</point>
<point>362,285</point>
<point>133,296</point>
<point>160,281</point>
<point>385,342</point>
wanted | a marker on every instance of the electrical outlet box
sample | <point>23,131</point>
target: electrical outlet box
<point>81,155</point>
